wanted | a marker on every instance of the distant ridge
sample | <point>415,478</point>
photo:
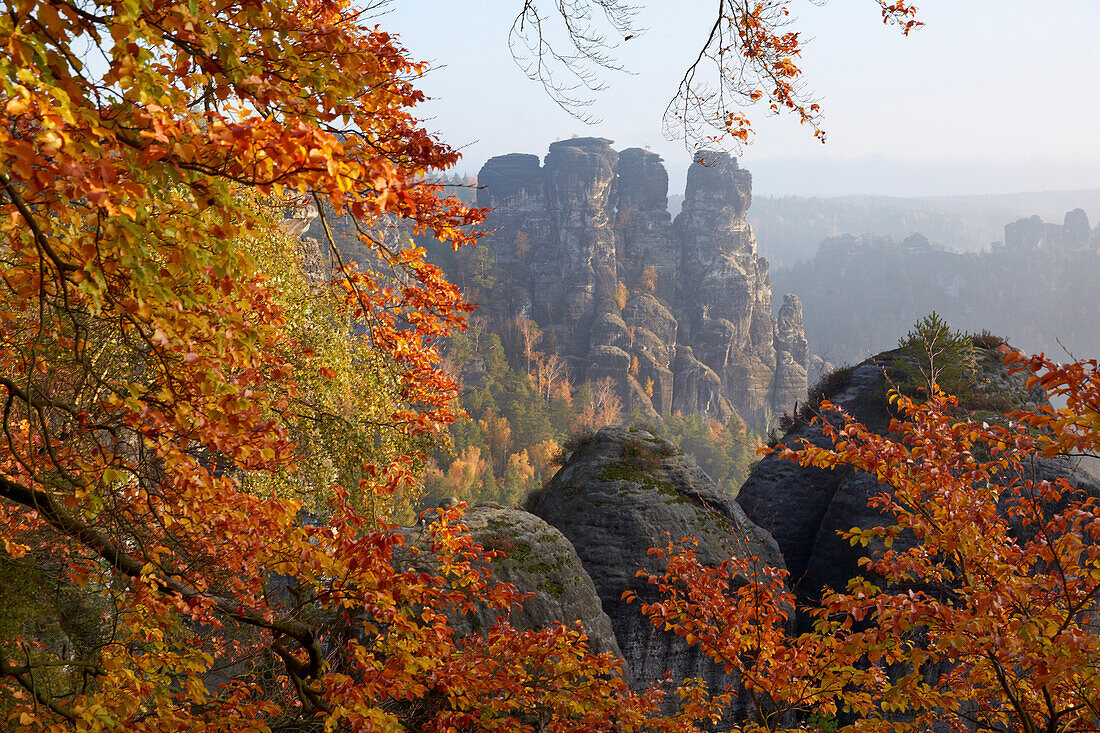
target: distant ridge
<point>789,228</point>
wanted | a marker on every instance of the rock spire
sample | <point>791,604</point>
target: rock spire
<point>677,313</point>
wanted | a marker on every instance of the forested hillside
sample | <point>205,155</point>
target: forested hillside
<point>524,412</point>
<point>524,405</point>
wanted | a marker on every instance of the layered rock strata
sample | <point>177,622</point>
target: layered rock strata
<point>677,313</point>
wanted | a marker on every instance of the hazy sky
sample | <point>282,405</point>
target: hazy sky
<point>991,96</point>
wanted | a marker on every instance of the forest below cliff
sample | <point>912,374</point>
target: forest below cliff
<point>544,362</point>
<point>524,396</point>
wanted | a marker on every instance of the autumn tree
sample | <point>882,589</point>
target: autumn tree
<point>523,334</point>
<point>551,376</point>
<point>725,451</point>
<point>194,467</point>
<point>979,607</point>
<point>191,463</point>
<point>597,405</point>
<point>935,354</point>
<point>468,477</point>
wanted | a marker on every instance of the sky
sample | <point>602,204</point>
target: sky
<point>990,96</point>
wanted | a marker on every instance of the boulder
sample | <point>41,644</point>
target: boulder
<point>540,561</point>
<point>622,492</point>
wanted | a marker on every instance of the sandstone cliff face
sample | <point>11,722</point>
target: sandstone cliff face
<point>679,313</point>
<point>792,353</point>
<point>619,494</point>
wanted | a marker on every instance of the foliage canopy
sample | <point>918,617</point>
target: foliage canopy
<point>196,468</point>
<point>979,606</point>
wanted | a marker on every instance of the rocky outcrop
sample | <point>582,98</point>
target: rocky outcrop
<point>1033,233</point>
<point>623,492</point>
<point>792,353</point>
<point>699,389</point>
<point>1075,228</point>
<point>297,222</point>
<point>584,246</point>
<point>805,509</point>
<point>618,494</point>
<point>644,224</point>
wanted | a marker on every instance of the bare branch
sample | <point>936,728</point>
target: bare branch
<point>571,79</point>
<point>748,57</point>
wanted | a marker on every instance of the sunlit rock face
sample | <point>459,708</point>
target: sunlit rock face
<point>726,295</point>
<point>679,313</point>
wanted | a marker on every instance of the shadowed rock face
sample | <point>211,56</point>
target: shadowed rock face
<point>623,492</point>
<point>587,250</point>
<point>805,509</point>
<point>586,535</point>
<point>792,353</point>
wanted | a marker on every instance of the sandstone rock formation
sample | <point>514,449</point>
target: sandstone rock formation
<point>677,313</point>
<point>804,509</point>
<point>538,560</point>
<point>622,492</point>
<point>792,353</point>
<point>1033,233</point>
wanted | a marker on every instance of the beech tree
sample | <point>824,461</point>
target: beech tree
<point>749,56</point>
<point>200,448</point>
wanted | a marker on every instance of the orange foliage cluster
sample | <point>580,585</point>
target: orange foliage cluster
<point>148,370</point>
<point>979,609</point>
<point>757,59</point>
